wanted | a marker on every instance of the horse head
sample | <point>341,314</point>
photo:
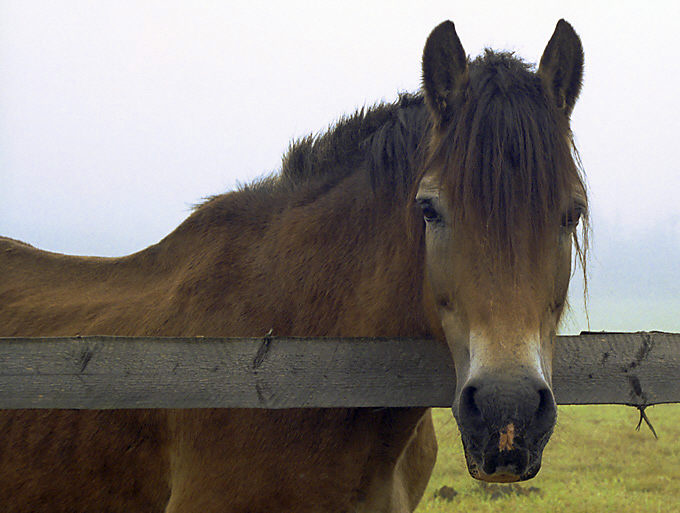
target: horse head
<point>501,194</point>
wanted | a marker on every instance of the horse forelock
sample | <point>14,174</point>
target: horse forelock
<point>507,162</point>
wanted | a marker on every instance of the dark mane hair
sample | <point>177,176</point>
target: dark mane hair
<point>383,139</point>
<point>508,158</point>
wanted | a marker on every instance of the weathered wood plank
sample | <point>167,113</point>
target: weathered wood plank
<point>617,368</point>
<point>123,372</point>
<point>118,372</point>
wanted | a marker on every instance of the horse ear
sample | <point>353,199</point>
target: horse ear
<point>445,71</point>
<point>561,67</point>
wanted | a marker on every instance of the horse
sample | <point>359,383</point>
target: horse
<point>449,214</point>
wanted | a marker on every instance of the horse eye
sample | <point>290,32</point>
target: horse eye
<point>429,212</point>
<point>572,217</point>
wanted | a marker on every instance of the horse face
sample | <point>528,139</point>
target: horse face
<point>500,335</point>
<point>497,273</point>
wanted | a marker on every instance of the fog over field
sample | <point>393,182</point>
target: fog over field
<point>116,117</point>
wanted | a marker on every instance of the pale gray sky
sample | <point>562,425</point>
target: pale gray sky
<point>116,117</point>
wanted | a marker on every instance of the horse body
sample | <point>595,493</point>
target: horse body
<point>329,247</point>
<point>256,279</point>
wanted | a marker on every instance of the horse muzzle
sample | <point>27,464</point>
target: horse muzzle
<point>504,426</point>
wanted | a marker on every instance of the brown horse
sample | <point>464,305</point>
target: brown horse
<point>332,246</point>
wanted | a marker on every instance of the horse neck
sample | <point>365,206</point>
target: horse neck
<point>342,265</point>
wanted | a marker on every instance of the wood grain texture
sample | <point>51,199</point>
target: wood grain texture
<point>121,372</point>
<point>617,368</point>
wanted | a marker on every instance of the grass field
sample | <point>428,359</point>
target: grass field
<point>595,462</point>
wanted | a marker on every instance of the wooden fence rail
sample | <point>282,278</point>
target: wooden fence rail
<point>132,372</point>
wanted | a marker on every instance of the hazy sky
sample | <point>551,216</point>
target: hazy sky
<point>116,117</point>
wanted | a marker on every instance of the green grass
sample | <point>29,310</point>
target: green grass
<point>595,462</point>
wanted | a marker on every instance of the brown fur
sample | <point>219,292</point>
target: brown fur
<point>324,248</point>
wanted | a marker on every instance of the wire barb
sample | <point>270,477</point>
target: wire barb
<point>643,416</point>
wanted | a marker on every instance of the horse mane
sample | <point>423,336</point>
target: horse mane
<point>508,160</point>
<point>384,139</point>
<point>383,142</point>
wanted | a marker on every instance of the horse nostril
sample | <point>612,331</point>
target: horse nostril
<point>546,413</point>
<point>468,408</point>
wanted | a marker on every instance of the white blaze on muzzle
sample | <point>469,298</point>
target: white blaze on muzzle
<point>506,354</point>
